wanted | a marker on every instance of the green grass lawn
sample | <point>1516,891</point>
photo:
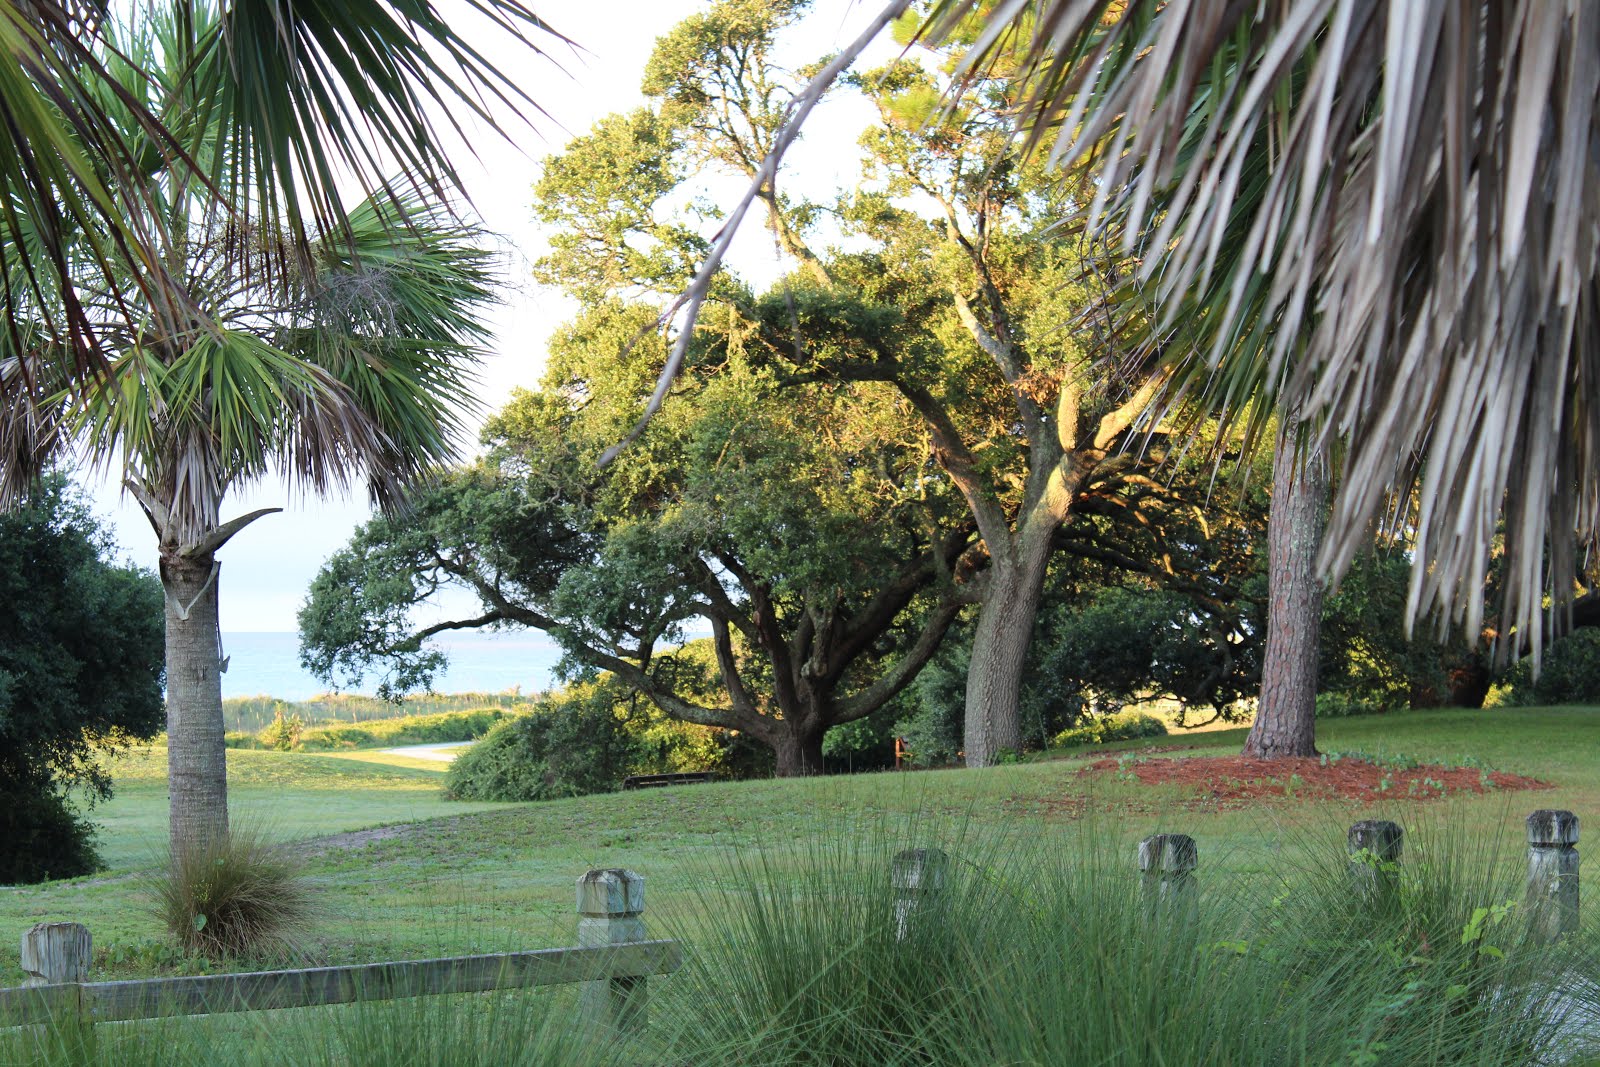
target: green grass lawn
<point>450,877</point>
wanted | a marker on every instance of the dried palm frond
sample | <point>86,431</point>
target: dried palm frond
<point>1382,214</point>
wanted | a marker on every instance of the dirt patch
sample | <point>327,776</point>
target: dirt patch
<point>1233,781</point>
<point>355,839</point>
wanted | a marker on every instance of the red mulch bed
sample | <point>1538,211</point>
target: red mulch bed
<point>1231,780</point>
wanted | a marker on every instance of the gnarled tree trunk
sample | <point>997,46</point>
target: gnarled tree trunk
<point>1004,631</point>
<point>197,757</point>
<point>798,751</point>
<point>1285,723</point>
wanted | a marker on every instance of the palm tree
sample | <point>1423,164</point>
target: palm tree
<point>343,354</point>
<point>359,90</point>
<point>1375,213</point>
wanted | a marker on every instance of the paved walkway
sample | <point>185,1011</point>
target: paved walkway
<point>444,753</point>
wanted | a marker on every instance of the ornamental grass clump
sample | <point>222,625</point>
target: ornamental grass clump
<point>1035,955</point>
<point>243,896</point>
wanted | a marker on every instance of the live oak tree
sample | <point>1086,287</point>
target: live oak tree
<point>958,246</point>
<point>343,356</point>
<point>798,523</point>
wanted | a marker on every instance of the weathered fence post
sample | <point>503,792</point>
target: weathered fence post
<point>917,875</point>
<point>1552,874</point>
<point>1166,864</point>
<point>1375,846</point>
<point>610,903</point>
<point>54,953</point>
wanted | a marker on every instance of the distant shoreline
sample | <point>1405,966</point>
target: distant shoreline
<point>267,663</point>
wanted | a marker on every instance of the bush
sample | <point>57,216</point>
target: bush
<point>438,729</point>
<point>283,732</point>
<point>80,677</point>
<point>570,745</point>
<point>1123,726</point>
<point>1343,704</point>
<point>242,896</point>
<point>665,745</point>
<point>1571,671</point>
<point>41,837</point>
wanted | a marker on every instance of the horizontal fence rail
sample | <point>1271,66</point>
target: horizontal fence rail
<point>613,961</point>
<point>154,998</point>
<point>615,957</point>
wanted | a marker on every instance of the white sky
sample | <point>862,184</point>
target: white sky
<point>268,568</point>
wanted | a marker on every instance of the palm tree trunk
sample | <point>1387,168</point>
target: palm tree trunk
<point>197,768</point>
<point>1285,723</point>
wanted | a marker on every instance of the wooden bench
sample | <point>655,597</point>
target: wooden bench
<point>656,781</point>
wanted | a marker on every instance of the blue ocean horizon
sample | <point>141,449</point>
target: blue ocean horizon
<point>268,664</point>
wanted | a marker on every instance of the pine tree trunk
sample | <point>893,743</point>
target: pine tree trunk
<point>197,769</point>
<point>799,751</point>
<point>1000,648</point>
<point>1285,723</point>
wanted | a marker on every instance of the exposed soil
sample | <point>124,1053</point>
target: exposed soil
<point>354,839</point>
<point>1232,781</point>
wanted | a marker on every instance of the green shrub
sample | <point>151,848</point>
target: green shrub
<point>328,738</point>
<point>665,745</point>
<point>240,739</point>
<point>1343,704</point>
<point>569,745</point>
<point>251,714</point>
<point>439,729</point>
<point>283,733</point>
<point>41,836</point>
<point>1570,673</point>
<point>1122,726</point>
<point>241,896</point>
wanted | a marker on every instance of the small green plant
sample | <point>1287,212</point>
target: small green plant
<point>244,895</point>
<point>150,954</point>
<point>1476,930</point>
<point>283,733</point>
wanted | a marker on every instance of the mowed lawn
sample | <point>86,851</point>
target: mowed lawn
<point>403,872</point>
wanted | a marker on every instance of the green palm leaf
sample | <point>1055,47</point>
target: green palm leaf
<point>288,96</point>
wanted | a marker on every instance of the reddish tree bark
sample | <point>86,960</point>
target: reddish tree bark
<point>1285,723</point>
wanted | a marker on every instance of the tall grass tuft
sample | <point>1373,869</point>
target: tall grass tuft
<point>1036,953</point>
<point>1051,956</point>
<point>245,896</point>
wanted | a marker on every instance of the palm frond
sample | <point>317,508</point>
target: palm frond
<point>291,98</point>
<point>366,88</point>
<point>1377,213</point>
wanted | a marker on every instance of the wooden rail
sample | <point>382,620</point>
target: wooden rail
<point>155,998</point>
<point>613,960</point>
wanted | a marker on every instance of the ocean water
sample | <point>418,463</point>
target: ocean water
<point>269,664</point>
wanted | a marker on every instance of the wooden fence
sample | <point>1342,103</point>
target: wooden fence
<point>1168,862</point>
<point>614,958</point>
